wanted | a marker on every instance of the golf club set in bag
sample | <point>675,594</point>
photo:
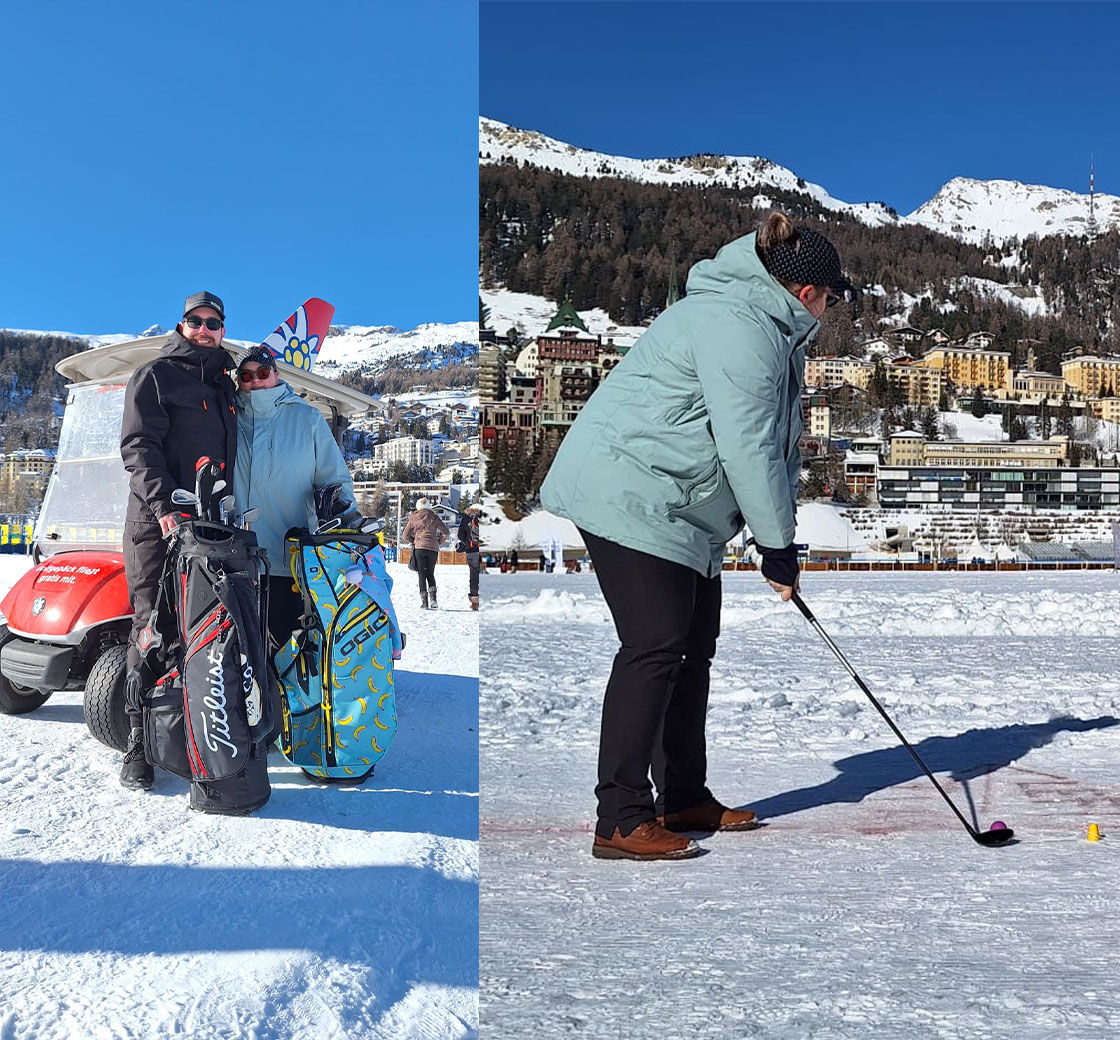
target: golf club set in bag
<point>336,672</point>
<point>209,717</point>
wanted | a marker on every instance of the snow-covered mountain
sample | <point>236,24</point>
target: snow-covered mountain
<point>366,348</point>
<point>975,210</point>
<point>370,348</point>
<point>498,142</point>
<point>969,210</point>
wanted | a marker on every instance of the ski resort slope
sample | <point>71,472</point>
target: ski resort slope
<point>332,914</point>
<point>862,908</point>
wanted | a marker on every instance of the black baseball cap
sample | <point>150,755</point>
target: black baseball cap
<point>204,299</point>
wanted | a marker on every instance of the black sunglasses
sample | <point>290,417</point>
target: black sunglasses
<point>213,324</point>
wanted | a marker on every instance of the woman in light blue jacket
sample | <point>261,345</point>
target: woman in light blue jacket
<point>285,450</point>
<point>692,434</point>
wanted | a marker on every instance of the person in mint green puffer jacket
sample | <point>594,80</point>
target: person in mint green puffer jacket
<point>692,434</point>
<point>285,450</point>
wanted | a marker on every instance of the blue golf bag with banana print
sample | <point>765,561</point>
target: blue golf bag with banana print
<point>336,671</point>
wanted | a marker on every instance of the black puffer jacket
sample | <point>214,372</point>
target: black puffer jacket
<point>468,533</point>
<point>177,408</point>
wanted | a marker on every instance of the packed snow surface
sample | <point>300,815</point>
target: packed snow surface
<point>862,908</point>
<point>333,913</point>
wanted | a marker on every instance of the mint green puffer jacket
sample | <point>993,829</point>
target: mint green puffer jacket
<point>696,429</point>
<point>284,451</point>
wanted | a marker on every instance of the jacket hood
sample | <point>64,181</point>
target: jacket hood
<point>266,400</point>
<point>212,361</point>
<point>738,273</point>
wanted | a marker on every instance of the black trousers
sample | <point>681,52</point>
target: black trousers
<point>426,568</point>
<point>656,702</point>
<point>144,554</point>
<point>285,605</point>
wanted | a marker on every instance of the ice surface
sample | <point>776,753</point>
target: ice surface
<point>862,908</point>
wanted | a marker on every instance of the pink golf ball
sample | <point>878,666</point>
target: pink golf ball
<point>999,825</point>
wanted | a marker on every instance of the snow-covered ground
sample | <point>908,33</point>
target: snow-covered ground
<point>862,908</point>
<point>333,912</point>
<point>533,313</point>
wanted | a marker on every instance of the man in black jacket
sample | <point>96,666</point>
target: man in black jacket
<point>177,409</point>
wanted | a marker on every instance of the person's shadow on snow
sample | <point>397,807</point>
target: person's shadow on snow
<point>964,757</point>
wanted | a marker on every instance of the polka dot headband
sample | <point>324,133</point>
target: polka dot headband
<point>807,259</point>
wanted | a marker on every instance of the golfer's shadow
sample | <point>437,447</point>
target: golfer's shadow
<point>964,757</point>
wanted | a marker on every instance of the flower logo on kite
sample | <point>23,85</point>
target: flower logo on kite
<point>292,342</point>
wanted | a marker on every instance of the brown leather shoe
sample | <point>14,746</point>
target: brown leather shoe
<point>709,816</point>
<point>649,840</point>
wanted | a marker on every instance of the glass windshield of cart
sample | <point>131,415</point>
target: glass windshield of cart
<point>88,490</point>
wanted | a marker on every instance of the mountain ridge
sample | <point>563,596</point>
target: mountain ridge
<point>971,210</point>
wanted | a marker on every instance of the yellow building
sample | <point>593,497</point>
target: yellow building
<point>906,449</point>
<point>822,372</point>
<point>1054,452</point>
<point>920,384</point>
<point>1107,408</point>
<point>970,368</point>
<point>1088,375</point>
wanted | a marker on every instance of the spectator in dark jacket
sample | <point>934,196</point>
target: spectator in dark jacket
<point>426,532</point>
<point>177,408</point>
<point>468,540</point>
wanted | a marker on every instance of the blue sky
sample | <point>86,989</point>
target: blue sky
<point>873,101</point>
<point>266,150</point>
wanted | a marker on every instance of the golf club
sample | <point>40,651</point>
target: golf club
<point>225,505</point>
<point>182,497</point>
<point>199,468</point>
<point>989,838</point>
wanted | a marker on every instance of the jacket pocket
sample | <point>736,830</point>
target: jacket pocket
<point>711,506</point>
<point>697,490</point>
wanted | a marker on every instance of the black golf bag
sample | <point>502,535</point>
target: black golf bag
<point>209,717</point>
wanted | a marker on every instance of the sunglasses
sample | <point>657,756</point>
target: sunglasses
<point>213,324</point>
<point>248,375</point>
<point>832,299</point>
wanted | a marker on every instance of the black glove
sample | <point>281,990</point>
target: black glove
<point>779,565</point>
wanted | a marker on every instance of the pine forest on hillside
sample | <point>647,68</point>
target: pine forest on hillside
<point>612,243</point>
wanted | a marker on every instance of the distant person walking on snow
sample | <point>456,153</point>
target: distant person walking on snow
<point>426,532</point>
<point>695,431</point>
<point>469,544</point>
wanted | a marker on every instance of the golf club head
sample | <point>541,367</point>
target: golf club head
<point>250,515</point>
<point>994,838</point>
<point>182,497</point>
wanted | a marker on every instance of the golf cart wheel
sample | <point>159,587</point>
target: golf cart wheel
<point>16,699</point>
<point>103,703</point>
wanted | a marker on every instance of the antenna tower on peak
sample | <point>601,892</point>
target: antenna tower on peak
<point>1091,227</point>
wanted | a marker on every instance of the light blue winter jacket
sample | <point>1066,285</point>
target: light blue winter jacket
<point>696,429</point>
<point>284,451</point>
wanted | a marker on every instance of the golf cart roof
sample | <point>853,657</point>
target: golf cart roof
<point>115,362</point>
